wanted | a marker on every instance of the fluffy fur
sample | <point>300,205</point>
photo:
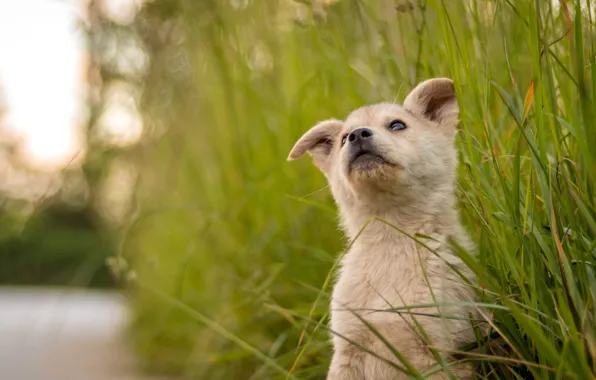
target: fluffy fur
<point>406,178</point>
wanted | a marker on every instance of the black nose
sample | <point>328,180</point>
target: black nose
<point>359,135</point>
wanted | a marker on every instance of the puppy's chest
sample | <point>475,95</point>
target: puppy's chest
<point>381,276</point>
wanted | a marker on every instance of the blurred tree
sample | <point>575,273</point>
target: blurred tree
<point>55,227</point>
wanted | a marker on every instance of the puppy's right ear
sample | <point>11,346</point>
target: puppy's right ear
<point>435,99</point>
<point>318,142</point>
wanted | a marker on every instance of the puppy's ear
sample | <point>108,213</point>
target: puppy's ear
<point>318,142</point>
<point>435,99</point>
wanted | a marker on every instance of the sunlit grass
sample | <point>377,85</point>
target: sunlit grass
<point>234,246</point>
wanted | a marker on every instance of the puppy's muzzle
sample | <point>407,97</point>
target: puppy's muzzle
<point>361,146</point>
<point>360,136</point>
<point>360,142</point>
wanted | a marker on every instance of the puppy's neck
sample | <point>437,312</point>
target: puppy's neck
<point>387,213</point>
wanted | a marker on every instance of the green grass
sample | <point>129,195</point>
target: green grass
<point>232,246</point>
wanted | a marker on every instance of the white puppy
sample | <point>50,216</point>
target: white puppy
<point>395,165</point>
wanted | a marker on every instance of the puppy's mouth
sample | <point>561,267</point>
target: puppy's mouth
<point>365,159</point>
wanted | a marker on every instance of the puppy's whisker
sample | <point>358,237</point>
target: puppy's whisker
<point>315,192</point>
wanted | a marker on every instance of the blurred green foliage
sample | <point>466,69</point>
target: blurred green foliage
<point>56,245</point>
<point>231,246</point>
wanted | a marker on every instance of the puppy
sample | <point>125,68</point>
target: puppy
<point>394,167</point>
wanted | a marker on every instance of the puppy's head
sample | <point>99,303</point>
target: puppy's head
<point>389,149</point>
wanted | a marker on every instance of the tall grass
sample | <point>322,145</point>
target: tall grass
<point>232,246</point>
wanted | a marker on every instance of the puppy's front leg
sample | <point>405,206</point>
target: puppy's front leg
<point>347,363</point>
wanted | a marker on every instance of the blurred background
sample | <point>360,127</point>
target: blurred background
<point>68,120</point>
<point>150,225</point>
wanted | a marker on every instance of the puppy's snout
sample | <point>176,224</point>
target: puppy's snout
<point>359,135</point>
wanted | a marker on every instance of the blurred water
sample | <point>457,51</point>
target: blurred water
<point>58,334</point>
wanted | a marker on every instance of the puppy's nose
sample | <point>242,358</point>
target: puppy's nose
<point>359,134</point>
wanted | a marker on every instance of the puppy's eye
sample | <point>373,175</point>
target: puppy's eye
<point>397,125</point>
<point>343,140</point>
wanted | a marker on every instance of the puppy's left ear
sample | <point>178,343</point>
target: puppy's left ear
<point>435,100</point>
<point>318,142</point>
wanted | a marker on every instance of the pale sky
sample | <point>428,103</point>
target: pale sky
<point>42,78</point>
<point>41,71</point>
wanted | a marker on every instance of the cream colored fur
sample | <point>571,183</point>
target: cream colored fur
<point>412,189</point>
